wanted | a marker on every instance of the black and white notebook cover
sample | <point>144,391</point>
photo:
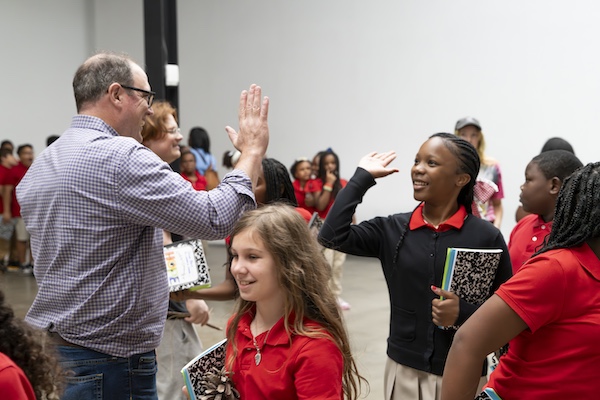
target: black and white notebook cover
<point>186,265</point>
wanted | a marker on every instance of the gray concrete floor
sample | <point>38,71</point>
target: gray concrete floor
<point>363,285</point>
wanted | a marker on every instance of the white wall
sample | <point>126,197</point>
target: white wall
<point>352,75</point>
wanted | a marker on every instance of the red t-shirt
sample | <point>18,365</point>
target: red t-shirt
<point>557,294</point>
<point>200,183</point>
<point>309,187</point>
<point>13,382</point>
<point>318,186</point>
<point>4,178</point>
<point>311,368</point>
<point>526,238</point>
<point>16,174</point>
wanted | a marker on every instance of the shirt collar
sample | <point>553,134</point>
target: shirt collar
<point>456,221</point>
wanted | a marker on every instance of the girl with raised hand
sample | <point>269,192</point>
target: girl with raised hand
<point>412,249</point>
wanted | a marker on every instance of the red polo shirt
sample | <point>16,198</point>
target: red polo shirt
<point>526,238</point>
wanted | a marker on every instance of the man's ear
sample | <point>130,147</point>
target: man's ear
<point>115,93</point>
<point>462,180</point>
<point>555,185</point>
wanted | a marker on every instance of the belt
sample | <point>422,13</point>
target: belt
<point>59,341</point>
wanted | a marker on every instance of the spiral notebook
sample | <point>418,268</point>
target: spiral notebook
<point>186,265</point>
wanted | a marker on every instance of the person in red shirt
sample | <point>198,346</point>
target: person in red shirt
<point>304,186</point>
<point>286,339</point>
<point>549,311</point>
<point>544,176</point>
<point>7,161</point>
<point>187,163</point>
<point>12,210</point>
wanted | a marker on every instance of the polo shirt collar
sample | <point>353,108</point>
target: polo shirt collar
<point>456,221</point>
<point>588,259</point>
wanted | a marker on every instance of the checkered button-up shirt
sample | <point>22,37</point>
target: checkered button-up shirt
<point>94,203</point>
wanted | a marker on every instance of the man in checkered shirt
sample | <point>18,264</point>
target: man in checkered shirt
<point>95,204</point>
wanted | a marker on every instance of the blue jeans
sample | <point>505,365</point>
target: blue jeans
<point>93,375</point>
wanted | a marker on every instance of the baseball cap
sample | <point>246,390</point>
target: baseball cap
<point>461,123</point>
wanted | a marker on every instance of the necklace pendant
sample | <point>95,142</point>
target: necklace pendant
<point>257,358</point>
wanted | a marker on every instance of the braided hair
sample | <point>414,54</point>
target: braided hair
<point>468,163</point>
<point>278,183</point>
<point>577,214</point>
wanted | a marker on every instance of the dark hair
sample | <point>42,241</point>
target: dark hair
<point>199,139</point>
<point>337,185</point>
<point>4,152</point>
<point>51,139</point>
<point>97,73</point>
<point>577,214</point>
<point>7,142</point>
<point>23,147</point>
<point>278,183</point>
<point>468,163</point>
<point>297,162</point>
<point>23,345</point>
<point>557,163</point>
<point>557,143</point>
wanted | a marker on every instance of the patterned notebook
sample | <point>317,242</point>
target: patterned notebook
<point>195,370</point>
<point>470,273</point>
<point>186,265</point>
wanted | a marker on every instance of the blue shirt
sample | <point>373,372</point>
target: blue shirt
<point>95,203</point>
<point>204,160</point>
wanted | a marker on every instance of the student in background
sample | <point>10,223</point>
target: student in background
<point>412,249</point>
<point>286,339</point>
<point>327,185</point>
<point>549,311</point>
<point>206,164</point>
<point>491,210</point>
<point>7,161</point>
<point>189,172</point>
<point>554,143</point>
<point>544,177</point>
<point>12,209</point>
<point>303,184</point>
<point>180,342</point>
<point>28,368</point>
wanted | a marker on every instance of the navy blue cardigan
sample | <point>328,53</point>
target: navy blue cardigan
<point>410,270</point>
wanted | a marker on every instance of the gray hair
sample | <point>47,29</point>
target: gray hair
<point>97,73</point>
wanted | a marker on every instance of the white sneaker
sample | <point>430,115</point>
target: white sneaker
<point>344,305</point>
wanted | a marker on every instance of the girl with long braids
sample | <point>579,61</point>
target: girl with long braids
<point>412,249</point>
<point>549,311</point>
<point>286,339</point>
<point>28,370</point>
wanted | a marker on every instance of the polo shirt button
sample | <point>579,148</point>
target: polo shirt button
<point>543,226</point>
<point>431,255</point>
<point>534,238</point>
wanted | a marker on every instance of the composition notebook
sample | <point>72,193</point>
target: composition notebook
<point>186,265</point>
<point>194,372</point>
<point>470,273</point>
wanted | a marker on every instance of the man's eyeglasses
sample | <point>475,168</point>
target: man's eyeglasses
<point>148,94</point>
